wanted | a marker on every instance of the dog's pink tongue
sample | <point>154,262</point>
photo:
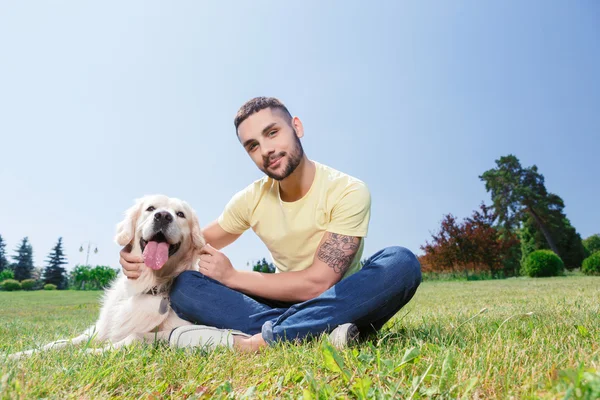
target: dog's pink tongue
<point>156,254</point>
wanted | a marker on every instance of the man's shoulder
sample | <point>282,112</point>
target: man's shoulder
<point>259,185</point>
<point>340,179</point>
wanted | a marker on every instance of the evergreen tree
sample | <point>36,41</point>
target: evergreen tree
<point>54,272</point>
<point>23,265</point>
<point>520,193</point>
<point>3,260</point>
<point>264,266</point>
<point>568,241</point>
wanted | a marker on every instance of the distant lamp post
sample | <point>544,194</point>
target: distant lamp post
<point>89,245</point>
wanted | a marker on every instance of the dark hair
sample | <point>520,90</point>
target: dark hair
<point>260,103</point>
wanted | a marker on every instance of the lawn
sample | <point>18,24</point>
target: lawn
<point>516,338</point>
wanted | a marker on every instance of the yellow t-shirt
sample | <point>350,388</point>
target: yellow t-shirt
<point>336,202</point>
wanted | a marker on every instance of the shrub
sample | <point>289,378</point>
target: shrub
<point>103,275</point>
<point>591,265</point>
<point>6,274</point>
<point>49,286</point>
<point>28,284</point>
<point>84,277</point>
<point>10,284</point>
<point>592,243</point>
<point>542,263</point>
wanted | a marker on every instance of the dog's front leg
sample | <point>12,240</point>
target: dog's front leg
<point>141,313</point>
<point>148,337</point>
<point>57,344</point>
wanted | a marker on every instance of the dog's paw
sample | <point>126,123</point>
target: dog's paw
<point>97,351</point>
<point>19,355</point>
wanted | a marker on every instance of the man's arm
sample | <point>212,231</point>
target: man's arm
<point>332,259</point>
<point>217,236</point>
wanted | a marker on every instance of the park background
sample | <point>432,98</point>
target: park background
<point>102,104</point>
<point>426,102</point>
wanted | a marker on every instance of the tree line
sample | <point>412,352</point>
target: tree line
<point>22,274</point>
<point>501,239</point>
<point>523,221</point>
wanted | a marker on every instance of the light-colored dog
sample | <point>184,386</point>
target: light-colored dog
<point>167,233</point>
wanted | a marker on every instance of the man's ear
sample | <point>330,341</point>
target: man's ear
<point>126,228</point>
<point>298,127</point>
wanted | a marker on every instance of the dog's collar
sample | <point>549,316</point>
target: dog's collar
<point>163,307</point>
<point>156,290</point>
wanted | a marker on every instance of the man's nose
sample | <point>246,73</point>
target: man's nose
<point>267,151</point>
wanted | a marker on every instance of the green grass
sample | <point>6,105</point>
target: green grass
<point>439,346</point>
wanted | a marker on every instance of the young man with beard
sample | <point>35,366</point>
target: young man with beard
<point>313,219</point>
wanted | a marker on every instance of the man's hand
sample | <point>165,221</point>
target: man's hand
<point>215,265</point>
<point>132,266</point>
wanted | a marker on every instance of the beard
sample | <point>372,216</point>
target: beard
<point>294,158</point>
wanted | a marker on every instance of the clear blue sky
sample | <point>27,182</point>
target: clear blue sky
<point>101,103</point>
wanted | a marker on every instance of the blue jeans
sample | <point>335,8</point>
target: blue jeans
<point>368,298</point>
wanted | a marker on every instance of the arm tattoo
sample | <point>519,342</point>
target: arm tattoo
<point>338,251</point>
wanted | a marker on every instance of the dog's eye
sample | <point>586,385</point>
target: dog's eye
<point>151,208</point>
<point>180,214</point>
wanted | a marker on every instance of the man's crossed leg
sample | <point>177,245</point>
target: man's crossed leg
<point>364,301</point>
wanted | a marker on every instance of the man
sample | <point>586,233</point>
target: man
<point>313,219</point>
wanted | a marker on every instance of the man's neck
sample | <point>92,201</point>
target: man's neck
<point>295,186</point>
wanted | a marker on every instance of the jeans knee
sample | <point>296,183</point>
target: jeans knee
<point>182,284</point>
<point>405,261</point>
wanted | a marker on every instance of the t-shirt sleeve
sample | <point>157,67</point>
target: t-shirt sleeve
<point>351,214</point>
<point>235,218</point>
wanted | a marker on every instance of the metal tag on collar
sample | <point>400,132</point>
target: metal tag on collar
<point>164,306</point>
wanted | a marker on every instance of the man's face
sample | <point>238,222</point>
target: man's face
<point>272,143</point>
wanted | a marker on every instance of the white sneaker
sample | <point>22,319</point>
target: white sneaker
<point>206,337</point>
<point>344,335</point>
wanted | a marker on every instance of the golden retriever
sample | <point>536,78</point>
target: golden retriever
<point>166,232</point>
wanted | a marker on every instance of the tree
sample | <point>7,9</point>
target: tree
<point>490,246</point>
<point>6,274</point>
<point>80,275</point>
<point>84,277</point>
<point>568,241</point>
<point>3,260</point>
<point>446,251</point>
<point>54,272</point>
<point>474,244</point>
<point>592,243</point>
<point>518,192</point>
<point>264,266</point>
<point>102,276</point>
<point>23,260</point>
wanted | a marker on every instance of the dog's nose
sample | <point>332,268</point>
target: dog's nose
<point>163,216</point>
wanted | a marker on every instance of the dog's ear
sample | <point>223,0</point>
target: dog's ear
<point>126,228</point>
<point>196,233</point>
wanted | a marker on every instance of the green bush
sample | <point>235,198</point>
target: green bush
<point>592,243</point>
<point>6,274</point>
<point>542,263</point>
<point>84,277</point>
<point>49,286</point>
<point>28,284</point>
<point>10,284</point>
<point>591,265</point>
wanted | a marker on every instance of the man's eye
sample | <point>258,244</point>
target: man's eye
<point>180,214</point>
<point>252,147</point>
<point>151,208</point>
<point>272,133</point>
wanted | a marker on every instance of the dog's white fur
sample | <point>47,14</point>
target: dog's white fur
<point>129,312</point>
